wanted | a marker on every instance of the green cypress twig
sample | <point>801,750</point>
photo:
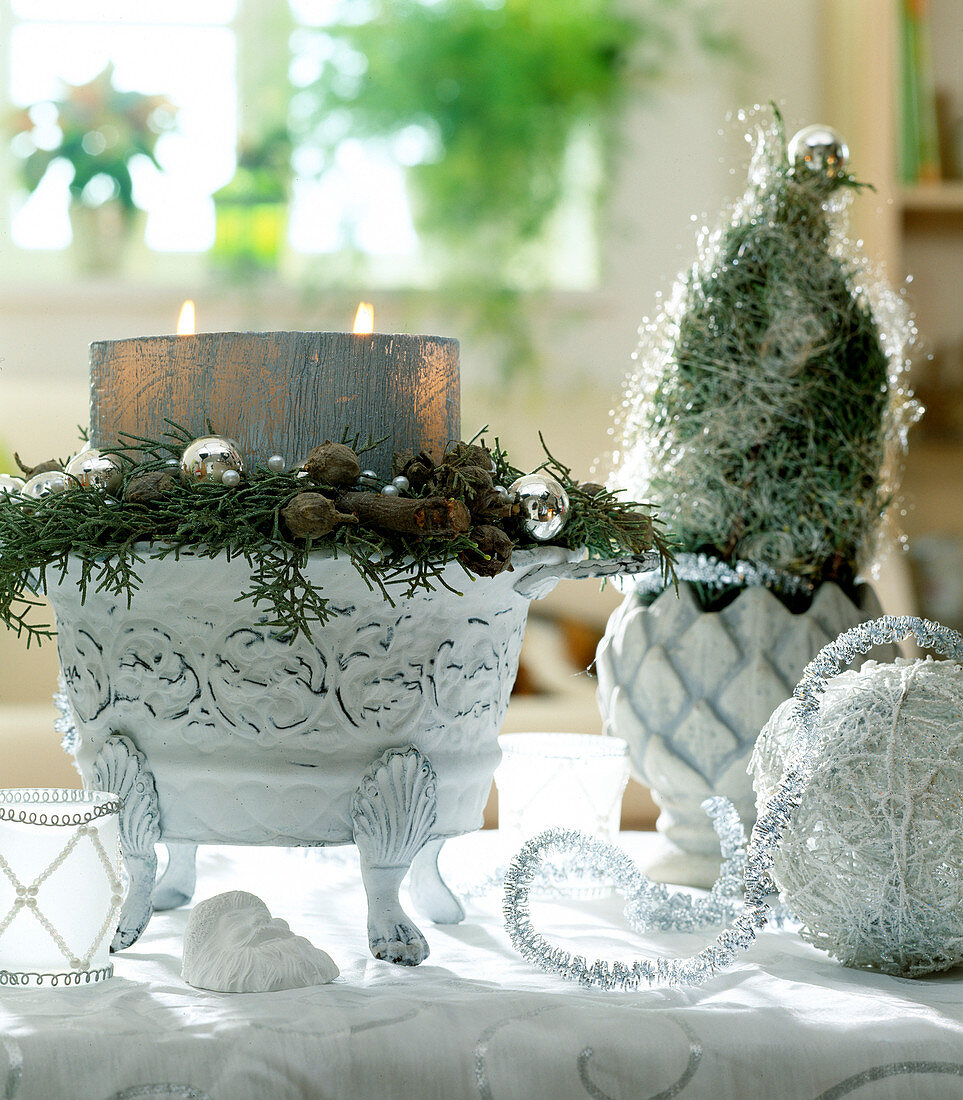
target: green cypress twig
<point>112,537</point>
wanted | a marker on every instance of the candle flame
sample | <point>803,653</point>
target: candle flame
<point>364,319</point>
<point>186,323</point>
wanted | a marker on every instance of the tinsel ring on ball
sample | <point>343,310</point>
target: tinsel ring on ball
<point>872,863</point>
<point>819,148</point>
<point>91,469</point>
<point>543,504</point>
<point>209,458</point>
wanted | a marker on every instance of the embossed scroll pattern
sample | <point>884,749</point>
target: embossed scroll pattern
<point>197,683</point>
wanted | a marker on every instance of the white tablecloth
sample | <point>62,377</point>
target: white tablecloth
<point>475,1020</point>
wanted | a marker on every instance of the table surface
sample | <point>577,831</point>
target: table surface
<point>475,1020</point>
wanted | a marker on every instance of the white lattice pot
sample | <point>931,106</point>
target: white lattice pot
<point>382,729</point>
<point>690,690</point>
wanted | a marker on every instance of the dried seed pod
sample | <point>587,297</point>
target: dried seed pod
<point>333,464</point>
<point>491,505</point>
<point>637,526</point>
<point>468,454</point>
<point>312,516</point>
<point>419,469</point>
<point>432,517</point>
<point>40,468</point>
<point>591,488</point>
<point>493,554</point>
<point>148,487</point>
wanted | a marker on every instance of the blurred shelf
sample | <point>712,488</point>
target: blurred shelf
<point>946,197</point>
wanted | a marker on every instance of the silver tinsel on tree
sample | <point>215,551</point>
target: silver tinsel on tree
<point>768,396</point>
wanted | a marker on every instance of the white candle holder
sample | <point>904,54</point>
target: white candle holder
<point>61,885</point>
<point>568,780</point>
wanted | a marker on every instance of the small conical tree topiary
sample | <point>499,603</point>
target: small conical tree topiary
<point>767,394</point>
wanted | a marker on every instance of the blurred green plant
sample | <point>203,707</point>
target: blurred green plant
<point>482,100</point>
<point>251,209</point>
<point>98,131</point>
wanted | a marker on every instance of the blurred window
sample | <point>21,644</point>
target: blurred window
<point>182,49</point>
<point>208,57</point>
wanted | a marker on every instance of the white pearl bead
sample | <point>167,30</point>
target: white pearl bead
<point>390,491</point>
<point>401,483</point>
<point>276,464</point>
<point>231,478</point>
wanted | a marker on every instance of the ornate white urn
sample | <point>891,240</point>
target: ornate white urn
<point>381,730</point>
<point>690,690</point>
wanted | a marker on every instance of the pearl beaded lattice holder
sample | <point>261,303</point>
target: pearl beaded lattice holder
<point>774,822</point>
<point>61,885</point>
<point>873,863</point>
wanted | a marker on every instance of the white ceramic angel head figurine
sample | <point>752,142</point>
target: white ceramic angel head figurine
<point>233,945</point>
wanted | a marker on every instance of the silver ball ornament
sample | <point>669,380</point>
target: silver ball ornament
<point>91,469</point>
<point>10,486</point>
<point>819,149</point>
<point>543,503</point>
<point>208,458</point>
<point>231,479</point>
<point>276,464</point>
<point>44,485</point>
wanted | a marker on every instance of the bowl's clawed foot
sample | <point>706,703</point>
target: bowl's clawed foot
<point>392,815</point>
<point>397,940</point>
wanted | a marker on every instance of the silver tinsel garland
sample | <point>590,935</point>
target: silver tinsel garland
<point>714,573</point>
<point>649,903</point>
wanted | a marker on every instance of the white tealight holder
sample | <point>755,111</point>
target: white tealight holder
<point>567,780</point>
<point>61,885</point>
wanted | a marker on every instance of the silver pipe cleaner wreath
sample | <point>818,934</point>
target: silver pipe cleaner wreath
<point>648,900</point>
<point>654,905</point>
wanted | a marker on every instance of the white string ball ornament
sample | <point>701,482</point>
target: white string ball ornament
<point>872,864</point>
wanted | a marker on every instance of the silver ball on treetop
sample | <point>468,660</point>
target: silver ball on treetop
<point>91,469</point>
<point>543,504</point>
<point>10,486</point>
<point>209,458</point>
<point>819,148</point>
<point>44,485</point>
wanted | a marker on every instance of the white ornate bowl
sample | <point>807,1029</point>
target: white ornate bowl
<point>382,729</point>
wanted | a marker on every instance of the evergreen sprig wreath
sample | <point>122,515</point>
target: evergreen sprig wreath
<point>156,499</point>
<point>769,399</point>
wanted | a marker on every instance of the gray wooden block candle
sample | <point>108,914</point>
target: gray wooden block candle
<point>280,392</point>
